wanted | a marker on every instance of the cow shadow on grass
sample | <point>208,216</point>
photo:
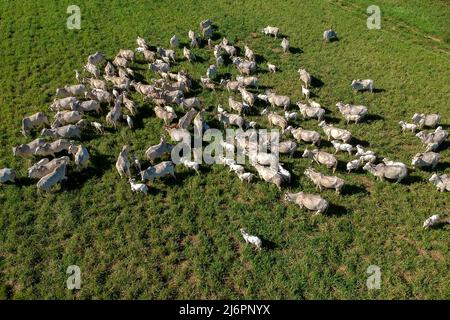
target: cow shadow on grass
<point>25,181</point>
<point>295,50</point>
<point>259,59</point>
<point>330,119</point>
<point>268,245</point>
<point>336,210</point>
<point>411,179</point>
<point>440,167</point>
<point>139,78</point>
<point>371,117</point>
<point>145,112</point>
<point>352,189</point>
<point>444,145</point>
<point>316,82</point>
<point>98,165</point>
<point>355,141</point>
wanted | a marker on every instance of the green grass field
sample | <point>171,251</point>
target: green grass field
<point>183,241</point>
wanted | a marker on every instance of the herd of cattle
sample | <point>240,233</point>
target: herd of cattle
<point>109,83</point>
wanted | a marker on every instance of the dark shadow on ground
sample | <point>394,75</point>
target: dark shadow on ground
<point>336,210</point>
<point>351,189</point>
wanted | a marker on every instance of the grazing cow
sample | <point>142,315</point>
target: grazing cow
<point>305,77</point>
<point>49,149</point>
<point>309,201</point>
<point>205,24</point>
<point>231,85</point>
<point>122,163</point>
<point>63,118</point>
<point>335,133</point>
<point>327,182</point>
<point>188,55</point>
<point>231,119</point>
<point>130,104</point>
<point>321,157</point>
<point>96,58</point>
<point>69,103</point>
<point>287,147</point>
<point>237,106</point>
<point>34,121</point>
<point>352,113</point>
<point>362,85</point>
<point>45,167</point>
<point>442,182</point>
<point>174,42</point>
<point>81,155</point>
<point>306,92</point>
<point>98,126</point>
<point>68,91</point>
<point>250,81</point>
<point>92,69</point>
<point>101,96</point>
<point>211,73</point>
<point>186,120</point>
<point>301,134</point>
<point>382,171</point>
<point>434,139</point>
<point>278,101</point>
<point>207,33</point>
<point>254,240</point>
<point>158,171</point>
<point>249,54</point>
<point>126,54</point>
<point>90,105</point>
<point>434,220</point>
<point>70,132</point>
<point>120,62</point>
<point>167,114</point>
<point>277,120</point>
<point>273,31</point>
<point>28,150</point>
<point>51,179</point>
<point>7,175</point>
<point>157,151</point>
<point>270,175</point>
<point>142,43</point>
<point>427,159</point>
<point>207,83</point>
<point>329,35</point>
<point>309,112</point>
<point>247,97</point>
<point>115,114</point>
<point>149,56</point>
<point>428,120</point>
<point>361,152</point>
<point>285,45</point>
<point>109,70</point>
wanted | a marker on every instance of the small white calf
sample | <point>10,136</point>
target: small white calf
<point>254,240</point>
<point>138,187</point>
<point>342,147</point>
<point>408,126</point>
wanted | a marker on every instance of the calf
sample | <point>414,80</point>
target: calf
<point>254,240</point>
